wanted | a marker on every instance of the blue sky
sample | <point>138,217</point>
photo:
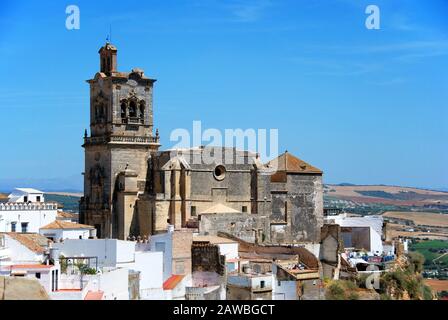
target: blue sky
<point>366,106</point>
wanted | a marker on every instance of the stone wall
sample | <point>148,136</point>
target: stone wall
<point>247,227</point>
<point>206,257</point>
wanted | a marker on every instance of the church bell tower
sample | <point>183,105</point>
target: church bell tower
<point>119,147</point>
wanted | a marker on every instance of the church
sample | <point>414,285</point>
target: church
<point>131,188</point>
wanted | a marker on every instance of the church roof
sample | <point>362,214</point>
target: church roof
<point>219,208</point>
<point>287,162</point>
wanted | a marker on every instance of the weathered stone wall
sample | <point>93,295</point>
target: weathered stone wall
<point>299,203</point>
<point>247,227</point>
<point>206,257</point>
<point>182,241</point>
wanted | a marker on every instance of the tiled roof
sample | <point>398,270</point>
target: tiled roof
<point>33,241</point>
<point>286,162</point>
<point>58,224</point>
<point>94,295</point>
<point>172,282</point>
<point>62,214</point>
<point>30,266</point>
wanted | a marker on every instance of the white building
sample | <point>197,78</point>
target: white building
<point>26,211</point>
<point>112,254</point>
<point>26,195</point>
<point>18,248</point>
<point>47,275</point>
<point>25,255</point>
<point>60,230</point>
<point>373,226</point>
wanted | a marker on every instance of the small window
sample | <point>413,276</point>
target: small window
<point>244,209</point>
<point>24,227</point>
<point>38,199</point>
<point>13,226</point>
<point>38,275</point>
<point>262,284</point>
<point>193,211</point>
<point>279,283</point>
<point>132,110</point>
<point>123,110</point>
<point>25,199</point>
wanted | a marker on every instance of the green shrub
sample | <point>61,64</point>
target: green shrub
<point>427,293</point>
<point>416,260</point>
<point>341,290</point>
<point>353,296</point>
<point>335,291</point>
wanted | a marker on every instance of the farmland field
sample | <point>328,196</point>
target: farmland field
<point>421,218</point>
<point>427,248</point>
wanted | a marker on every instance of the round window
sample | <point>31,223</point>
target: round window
<point>220,172</point>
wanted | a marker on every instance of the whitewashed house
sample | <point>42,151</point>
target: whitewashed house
<point>363,231</point>
<point>46,274</point>
<point>26,211</point>
<point>25,255</point>
<point>22,248</point>
<point>26,195</point>
<point>60,230</point>
<point>111,255</point>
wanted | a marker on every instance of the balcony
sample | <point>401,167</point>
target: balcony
<point>121,139</point>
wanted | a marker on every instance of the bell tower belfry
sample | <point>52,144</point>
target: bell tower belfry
<point>108,59</point>
<point>120,144</point>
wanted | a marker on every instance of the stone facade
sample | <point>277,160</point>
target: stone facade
<point>131,188</point>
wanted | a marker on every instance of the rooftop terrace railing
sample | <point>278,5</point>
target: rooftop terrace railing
<point>137,139</point>
<point>13,206</point>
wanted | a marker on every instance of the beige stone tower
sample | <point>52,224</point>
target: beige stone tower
<point>119,147</point>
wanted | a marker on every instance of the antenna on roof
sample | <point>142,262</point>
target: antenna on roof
<point>109,36</point>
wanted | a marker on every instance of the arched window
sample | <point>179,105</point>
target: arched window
<point>123,110</point>
<point>99,112</point>
<point>142,109</point>
<point>132,109</point>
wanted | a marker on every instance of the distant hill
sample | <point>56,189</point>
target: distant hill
<point>67,184</point>
<point>380,198</point>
